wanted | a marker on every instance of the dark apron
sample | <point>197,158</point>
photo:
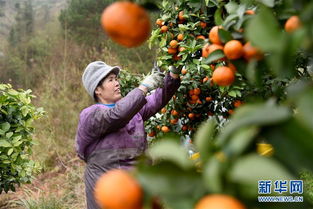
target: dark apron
<point>101,161</point>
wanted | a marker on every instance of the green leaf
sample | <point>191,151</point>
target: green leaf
<point>269,3</point>
<point>9,134</point>
<point>212,176</point>
<point>231,7</point>
<point>10,151</point>
<point>4,143</point>
<point>224,35</point>
<point>305,110</point>
<point>240,141</point>
<point>254,114</point>
<point>218,17</point>
<point>171,151</point>
<point>5,126</point>
<point>263,31</point>
<point>217,54</point>
<point>204,139</point>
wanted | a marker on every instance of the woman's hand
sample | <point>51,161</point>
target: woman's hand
<point>152,82</point>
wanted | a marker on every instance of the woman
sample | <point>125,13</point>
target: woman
<point>111,132</point>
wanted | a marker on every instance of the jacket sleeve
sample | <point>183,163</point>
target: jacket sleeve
<point>100,121</point>
<point>161,96</point>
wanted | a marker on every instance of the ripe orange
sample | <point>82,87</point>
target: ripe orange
<point>194,97</point>
<point>237,103</point>
<point>151,134</point>
<point>292,24</point>
<point>233,49</point>
<point>173,44</point>
<point>180,37</point>
<point>213,35</point>
<point>208,99</point>
<point>126,23</point>
<point>250,52</point>
<point>172,50</point>
<point>249,12</point>
<point>176,57</point>
<point>205,50</point>
<point>214,47</point>
<point>117,189</point>
<point>191,92</point>
<point>219,201</point>
<point>200,37</point>
<point>165,129</point>
<point>181,16</point>
<point>205,79</point>
<point>223,76</point>
<point>164,29</point>
<point>181,49</point>
<point>184,71</point>
<point>231,112</point>
<point>159,22</point>
<point>184,128</point>
<point>174,121</point>
<point>163,110</point>
<point>174,113</point>
<point>197,91</point>
<point>191,115</point>
<point>203,24</point>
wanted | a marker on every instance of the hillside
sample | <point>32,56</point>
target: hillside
<point>43,12</point>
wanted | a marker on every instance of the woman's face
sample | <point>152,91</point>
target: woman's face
<point>109,91</point>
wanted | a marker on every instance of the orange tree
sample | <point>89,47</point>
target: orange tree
<point>222,63</point>
<point>230,53</point>
<point>254,52</point>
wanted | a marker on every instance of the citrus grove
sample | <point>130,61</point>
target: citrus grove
<point>244,107</point>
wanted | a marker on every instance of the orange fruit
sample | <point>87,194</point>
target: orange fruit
<point>164,29</point>
<point>214,47</point>
<point>213,35</point>
<point>203,24</point>
<point>249,12</point>
<point>184,128</point>
<point>181,16</point>
<point>205,79</point>
<point>205,50</point>
<point>208,99</point>
<point>159,22</point>
<point>173,44</point>
<point>172,50</point>
<point>194,97</point>
<point>173,121</point>
<point>250,52</point>
<point>181,49</point>
<point>191,115</point>
<point>191,92</point>
<point>165,129</point>
<point>237,103</point>
<point>233,49</point>
<point>117,189</point>
<point>180,37</point>
<point>200,37</point>
<point>197,91</point>
<point>292,24</point>
<point>174,113</point>
<point>231,112</point>
<point>176,57</point>
<point>126,23</point>
<point>219,201</point>
<point>163,110</point>
<point>223,76</point>
<point>151,134</point>
<point>184,71</point>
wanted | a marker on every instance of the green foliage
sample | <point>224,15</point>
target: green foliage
<point>17,114</point>
<point>128,81</point>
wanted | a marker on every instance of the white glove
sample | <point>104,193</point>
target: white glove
<point>153,81</point>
